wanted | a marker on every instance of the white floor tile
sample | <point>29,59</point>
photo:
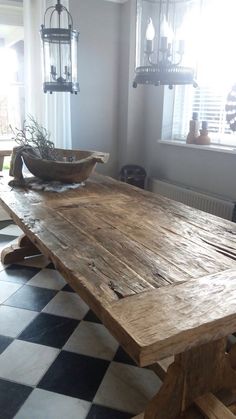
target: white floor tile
<point>2,267</point>
<point>127,388</point>
<point>8,244</point>
<point>43,404</point>
<point>92,339</point>
<point>25,362</point>
<point>7,289</point>
<point>48,278</point>
<point>3,215</point>
<point>12,230</point>
<point>13,320</point>
<point>67,304</point>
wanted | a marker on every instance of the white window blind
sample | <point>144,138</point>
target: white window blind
<point>216,73</point>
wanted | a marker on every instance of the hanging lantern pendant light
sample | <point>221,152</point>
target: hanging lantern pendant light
<point>156,61</point>
<point>60,49</point>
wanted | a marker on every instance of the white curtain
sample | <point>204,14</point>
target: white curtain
<point>52,111</point>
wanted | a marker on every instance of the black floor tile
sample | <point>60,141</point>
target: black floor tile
<point>75,375</point>
<point>31,298</point>
<point>18,274</point>
<point>5,223</point>
<point>50,266</point>
<point>4,342</point>
<point>101,412</point>
<point>12,396</point>
<point>91,317</point>
<point>67,287</point>
<point>122,356</point>
<point>49,330</point>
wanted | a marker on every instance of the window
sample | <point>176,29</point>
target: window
<point>11,81</point>
<point>216,74</point>
<point>11,88</point>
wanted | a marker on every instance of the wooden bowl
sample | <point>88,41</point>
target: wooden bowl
<point>75,171</point>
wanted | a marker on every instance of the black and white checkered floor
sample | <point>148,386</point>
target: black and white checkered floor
<point>57,361</point>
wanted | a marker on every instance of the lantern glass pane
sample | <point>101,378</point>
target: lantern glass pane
<point>176,23</point>
<point>74,58</point>
<point>60,62</point>
<point>47,66</point>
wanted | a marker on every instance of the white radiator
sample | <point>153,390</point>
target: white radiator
<point>212,204</point>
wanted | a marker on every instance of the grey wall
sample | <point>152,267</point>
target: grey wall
<point>95,108</point>
<point>110,115</point>
<point>131,101</point>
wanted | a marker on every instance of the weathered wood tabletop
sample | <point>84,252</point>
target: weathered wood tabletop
<point>160,275</point>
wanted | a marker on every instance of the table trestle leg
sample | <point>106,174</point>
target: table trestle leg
<point>17,252</point>
<point>191,379</point>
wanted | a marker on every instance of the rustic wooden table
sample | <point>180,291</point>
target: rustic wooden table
<point>160,275</point>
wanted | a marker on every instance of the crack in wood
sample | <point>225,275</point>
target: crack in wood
<point>222,250</point>
<point>158,275</point>
<point>113,288</point>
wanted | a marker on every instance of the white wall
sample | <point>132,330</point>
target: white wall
<point>11,13</point>
<point>95,108</point>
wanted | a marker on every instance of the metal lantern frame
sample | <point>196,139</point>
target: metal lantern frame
<point>61,79</point>
<point>162,70</point>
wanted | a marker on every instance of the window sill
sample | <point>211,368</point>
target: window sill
<point>212,147</point>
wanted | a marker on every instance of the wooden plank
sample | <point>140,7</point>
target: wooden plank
<point>154,268</point>
<point>193,374</point>
<point>176,246</point>
<point>190,414</point>
<point>102,269</point>
<point>37,261</point>
<point>97,239</point>
<point>173,241</point>
<point>158,258</point>
<point>232,408</point>
<point>188,220</point>
<point>172,319</point>
<point>121,249</point>
<point>4,153</point>
<point>213,408</point>
<point>160,368</point>
<point>14,253</point>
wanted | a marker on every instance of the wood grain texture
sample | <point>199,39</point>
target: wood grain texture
<point>4,153</point>
<point>212,408</point>
<point>209,404</point>
<point>138,260</point>
<point>160,368</point>
<point>193,374</point>
<point>78,170</point>
<point>161,277</point>
<point>233,409</point>
<point>17,252</point>
<point>172,319</point>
